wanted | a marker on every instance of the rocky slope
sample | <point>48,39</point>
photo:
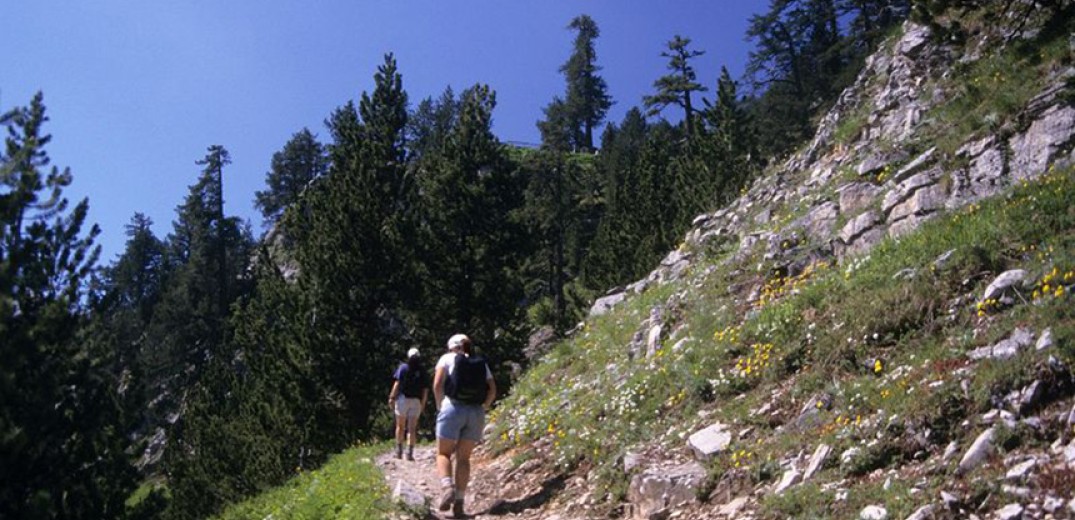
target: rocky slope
<point>807,353</point>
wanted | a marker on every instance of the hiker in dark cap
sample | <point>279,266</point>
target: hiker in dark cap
<point>408,398</point>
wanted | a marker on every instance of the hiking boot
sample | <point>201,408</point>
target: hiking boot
<point>399,451</point>
<point>410,456</point>
<point>446,499</point>
<point>457,508</point>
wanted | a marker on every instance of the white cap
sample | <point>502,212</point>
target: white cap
<point>412,353</point>
<point>457,341</point>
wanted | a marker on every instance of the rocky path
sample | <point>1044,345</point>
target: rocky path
<point>495,490</point>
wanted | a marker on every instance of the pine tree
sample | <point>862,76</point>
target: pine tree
<point>300,162</point>
<point>676,88</point>
<point>569,122</point>
<point>60,448</point>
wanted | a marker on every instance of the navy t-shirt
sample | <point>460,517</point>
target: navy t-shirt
<point>410,385</point>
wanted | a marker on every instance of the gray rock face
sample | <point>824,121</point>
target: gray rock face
<point>1042,142</point>
<point>979,450</point>
<point>540,342</point>
<point>914,166</point>
<point>928,199</point>
<point>606,303</point>
<point>984,175</point>
<point>857,196</point>
<point>903,191</point>
<point>914,40</point>
<point>657,489</point>
<point>710,440</point>
<point>819,222</point>
<point>859,226</point>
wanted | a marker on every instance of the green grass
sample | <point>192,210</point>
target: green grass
<point>348,486</point>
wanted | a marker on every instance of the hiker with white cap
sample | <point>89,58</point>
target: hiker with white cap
<point>463,389</point>
<point>408,398</point>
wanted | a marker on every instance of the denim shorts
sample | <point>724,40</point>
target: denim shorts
<point>460,421</point>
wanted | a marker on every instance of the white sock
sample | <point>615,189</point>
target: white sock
<point>446,482</point>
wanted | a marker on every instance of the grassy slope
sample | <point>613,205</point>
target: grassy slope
<point>348,486</point>
<point>882,349</point>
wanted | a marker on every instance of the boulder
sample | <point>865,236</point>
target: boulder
<point>817,461</point>
<point>1010,512</point>
<point>606,303</point>
<point>732,509</point>
<point>790,478</point>
<point>1045,340</point>
<point>661,488</point>
<point>979,450</point>
<point>1021,471</point>
<point>873,513</point>
<point>710,440</point>
<point>1005,348</point>
<point>923,513</point>
<point>1003,284</point>
<point>409,495</point>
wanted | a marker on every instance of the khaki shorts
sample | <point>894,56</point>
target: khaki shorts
<point>408,407</point>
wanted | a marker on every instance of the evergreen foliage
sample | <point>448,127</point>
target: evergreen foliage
<point>352,240</point>
<point>676,88</point>
<point>569,122</point>
<point>470,248</point>
<point>302,160</point>
<point>61,451</point>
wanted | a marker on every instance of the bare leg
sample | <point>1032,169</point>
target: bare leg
<point>401,422</point>
<point>445,449</point>
<point>412,431</point>
<point>462,464</point>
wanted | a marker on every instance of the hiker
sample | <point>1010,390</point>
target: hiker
<point>463,389</point>
<point>408,397</point>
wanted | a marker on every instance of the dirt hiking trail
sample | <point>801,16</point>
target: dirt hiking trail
<point>495,491</point>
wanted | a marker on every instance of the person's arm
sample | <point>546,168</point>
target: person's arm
<point>394,393</point>
<point>438,386</point>
<point>425,395</point>
<point>490,392</point>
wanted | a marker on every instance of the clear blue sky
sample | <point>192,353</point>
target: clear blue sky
<point>136,91</point>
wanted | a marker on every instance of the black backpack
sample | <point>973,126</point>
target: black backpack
<point>411,381</point>
<point>466,382</point>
